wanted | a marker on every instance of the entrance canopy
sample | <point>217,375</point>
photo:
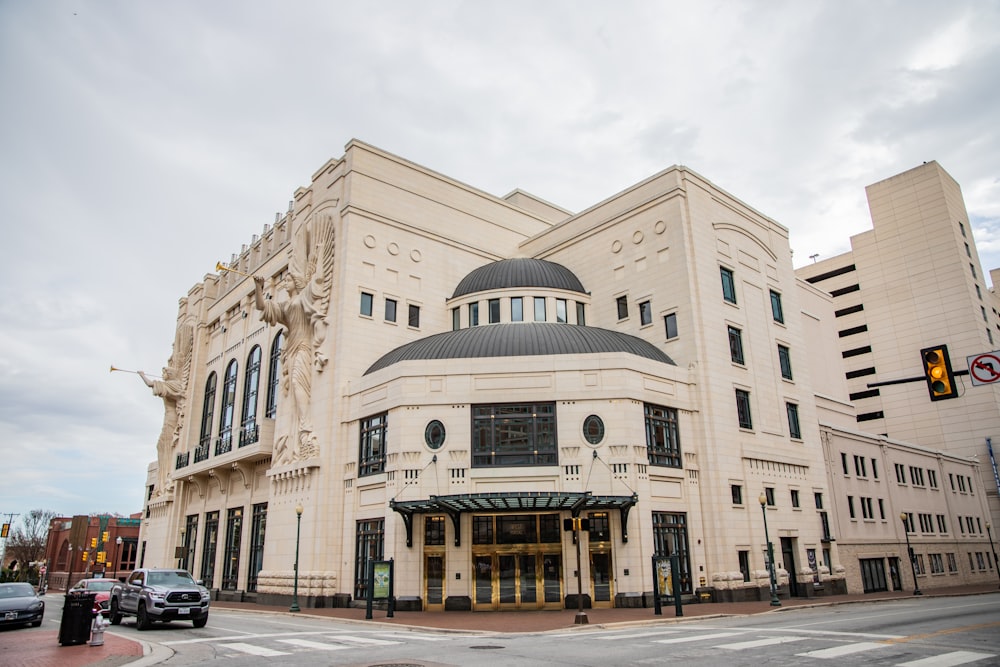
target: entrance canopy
<point>511,501</point>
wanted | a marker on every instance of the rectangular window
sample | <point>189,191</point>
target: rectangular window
<point>645,313</point>
<point>952,563</point>
<point>866,508</point>
<point>921,569</point>
<point>818,499</point>
<point>622,303</point>
<point>744,559</point>
<point>366,304</point>
<point>824,521</point>
<point>937,563</point>
<point>670,539</point>
<point>743,409</point>
<point>516,309</point>
<point>231,557</point>
<point>874,468</point>
<point>474,314</point>
<point>663,444</point>
<point>728,285</point>
<point>670,325</point>
<point>795,497</point>
<point>932,478</point>
<point>258,527</point>
<point>209,547</point>
<point>859,466</point>
<point>737,491</point>
<point>776,311</point>
<point>916,476</point>
<point>850,506</point>
<point>785,362</point>
<point>900,472</point>
<point>456,319</point>
<point>561,314</point>
<point>369,544</point>
<point>769,495</point>
<point>736,345</point>
<point>413,316</point>
<point>434,531</point>
<point>794,431</point>
<point>390,310</point>
<point>881,509</point>
<point>371,447</point>
<point>581,315</point>
<point>843,463</point>
<point>494,310</point>
<point>514,434</point>
<point>942,525</point>
<point>539,308</point>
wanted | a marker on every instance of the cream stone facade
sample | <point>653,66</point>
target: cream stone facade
<point>404,367</point>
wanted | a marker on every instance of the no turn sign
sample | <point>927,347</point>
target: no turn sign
<point>984,368</point>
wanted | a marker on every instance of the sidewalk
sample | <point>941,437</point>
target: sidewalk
<point>42,648</point>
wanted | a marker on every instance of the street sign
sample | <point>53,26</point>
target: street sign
<point>984,368</point>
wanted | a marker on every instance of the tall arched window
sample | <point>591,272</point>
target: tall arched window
<point>274,375</point>
<point>225,440</point>
<point>248,419</point>
<point>207,417</point>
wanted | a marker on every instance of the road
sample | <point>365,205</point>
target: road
<point>917,632</point>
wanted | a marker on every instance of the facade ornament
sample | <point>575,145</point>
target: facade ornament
<point>303,315</point>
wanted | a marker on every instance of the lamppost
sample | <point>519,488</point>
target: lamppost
<point>996,563</point>
<point>298,527</point>
<point>775,602</point>
<point>905,518</point>
<point>118,545</point>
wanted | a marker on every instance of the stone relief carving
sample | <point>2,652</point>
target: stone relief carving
<point>172,388</point>
<point>303,314</point>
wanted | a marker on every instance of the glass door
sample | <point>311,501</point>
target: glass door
<point>528,581</point>
<point>483,572</point>
<point>600,578</point>
<point>434,582</point>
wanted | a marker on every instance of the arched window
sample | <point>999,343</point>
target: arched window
<point>225,441</point>
<point>207,417</point>
<point>248,419</point>
<point>274,375</point>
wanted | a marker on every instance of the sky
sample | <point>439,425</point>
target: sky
<point>141,142</point>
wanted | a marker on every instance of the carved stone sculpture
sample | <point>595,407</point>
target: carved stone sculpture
<point>172,388</point>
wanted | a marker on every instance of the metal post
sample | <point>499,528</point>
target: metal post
<point>904,517</point>
<point>581,615</point>
<point>775,602</point>
<point>295,590</point>
<point>996,563</point>
<point>115,563</point>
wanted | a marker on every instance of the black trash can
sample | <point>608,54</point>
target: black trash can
<point>77,617</point>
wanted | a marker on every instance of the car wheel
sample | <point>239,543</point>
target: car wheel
<point>142,620</point>
<point>200,622</point>
<point>35,624</point>
<point>116,617</point>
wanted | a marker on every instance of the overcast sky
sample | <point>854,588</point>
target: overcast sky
<point>140,142</point>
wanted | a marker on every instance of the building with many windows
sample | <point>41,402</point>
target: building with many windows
<point>404,367</point>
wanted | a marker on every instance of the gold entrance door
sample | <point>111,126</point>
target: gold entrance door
<point>600,579</point>
<point>507,581</point>
<point>434,582</point>
<point>482,571</point>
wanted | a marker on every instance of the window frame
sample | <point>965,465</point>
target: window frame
<point>372,433</point>
<point>744,413</point>
<point>728,285</point>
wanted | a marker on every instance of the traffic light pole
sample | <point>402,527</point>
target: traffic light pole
<point>886,383</point>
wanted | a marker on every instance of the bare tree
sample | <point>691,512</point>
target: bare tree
<point>26,543</point>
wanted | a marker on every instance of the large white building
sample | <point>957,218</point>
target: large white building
<point>428,373</point>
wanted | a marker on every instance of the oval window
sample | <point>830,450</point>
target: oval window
<point>434,434</point>
<point>593,429</point>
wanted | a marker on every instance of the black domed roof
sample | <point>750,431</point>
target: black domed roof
<point>519,272</point>
<point>520,339</point>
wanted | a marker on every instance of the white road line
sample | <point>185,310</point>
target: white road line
<point>362,640</point>
<point>306,643</point>
<point>639,635</point>
<point>254,650</point>
<point>757,643</point>
<point>696,638</point>
<point>948,659</point>
<point>425,638</point>
<point>846,649</point>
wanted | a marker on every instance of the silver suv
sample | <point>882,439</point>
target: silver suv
<point>160,595</point>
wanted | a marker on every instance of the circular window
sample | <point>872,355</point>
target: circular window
<point>434,434</point>
<point>593,429</point>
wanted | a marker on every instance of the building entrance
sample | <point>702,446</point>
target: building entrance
<point>517,581</point>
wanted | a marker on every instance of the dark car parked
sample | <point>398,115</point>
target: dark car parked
<point>20,605</point>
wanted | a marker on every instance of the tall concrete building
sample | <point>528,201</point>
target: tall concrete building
<point>405,367</point>
<point>911,282</point>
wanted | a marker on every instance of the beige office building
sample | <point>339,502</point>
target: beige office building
<point>431,374</point>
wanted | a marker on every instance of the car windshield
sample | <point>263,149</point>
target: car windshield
<point>100,585</point>
<point>16,590</point>
<point>169,578</point>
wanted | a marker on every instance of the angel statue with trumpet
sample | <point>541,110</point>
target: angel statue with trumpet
<point>308,283</point>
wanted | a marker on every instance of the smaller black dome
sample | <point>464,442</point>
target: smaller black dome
<point>519,272</point>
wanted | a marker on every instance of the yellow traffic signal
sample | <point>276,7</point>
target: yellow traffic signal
<point>104,536</point>
<point>101,555</point>
<point>5,530</point>
<point>937,371</point>
<point>93,543</point>
<point>84,556</point>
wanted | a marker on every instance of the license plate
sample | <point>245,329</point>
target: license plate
<point>10,616</point>
<point>183,611</point>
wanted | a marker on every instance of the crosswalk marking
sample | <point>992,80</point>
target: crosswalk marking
<point>846,649</point>
<point>757,643</point>
<point>362,640</point>
<point>637,635</point>
<point>308,643</point>
<point>695,638</point>
<point>254,650</point>
<point>948,659</point>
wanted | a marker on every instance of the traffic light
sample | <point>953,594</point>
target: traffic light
<point>104,537</point>
<point>84,556</point>
<point>5,530</point>
<point>937,370</point>
<point>93,543</point>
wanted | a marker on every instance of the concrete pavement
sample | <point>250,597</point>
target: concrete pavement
<point>42,648</point>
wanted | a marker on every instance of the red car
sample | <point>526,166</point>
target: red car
<point>99,587</point>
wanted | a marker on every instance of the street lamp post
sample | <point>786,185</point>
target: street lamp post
<point>996,563</point>
<point>775,602</point>
<point>295,590</point>
<point>114,562</point>
<point>904,517</point>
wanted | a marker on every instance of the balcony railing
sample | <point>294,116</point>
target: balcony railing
<point>182,460</point>
<point>224,443</point>
<point>201,453</point>
<point>249,434</point>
